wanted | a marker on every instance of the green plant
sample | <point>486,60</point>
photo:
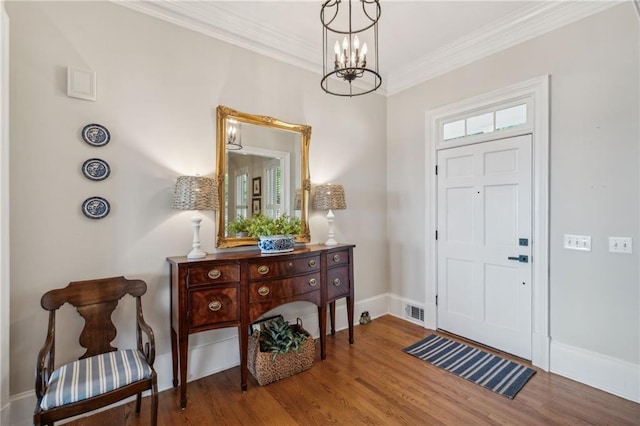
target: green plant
<point>262,225</point>
<point>279,337</point>
<point>239,225</point>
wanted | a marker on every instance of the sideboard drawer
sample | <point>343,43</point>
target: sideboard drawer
<point>213,306</point>
<point>337,258</point>
<point>338,283</point>
<point>213,274</point>
<point>279,289</point>
<point>267,269</point>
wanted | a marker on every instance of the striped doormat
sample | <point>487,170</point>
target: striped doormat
<point>491,371</point>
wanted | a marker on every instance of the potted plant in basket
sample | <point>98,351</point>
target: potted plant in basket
<point>280,337</point>
<point>278,350</point>
<point>275,235</point>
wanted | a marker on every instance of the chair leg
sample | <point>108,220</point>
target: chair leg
<point>138,402</point>
<point>154,404</point>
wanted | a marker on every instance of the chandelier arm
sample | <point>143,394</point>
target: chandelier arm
<point>329,4</point>
<point>375,37</point>
<point>364,10</point>
<point>350,30</point>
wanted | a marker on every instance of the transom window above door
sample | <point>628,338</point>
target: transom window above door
<point>500,118</point>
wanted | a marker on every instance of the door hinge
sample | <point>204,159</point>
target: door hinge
<point>436,169</point>
<point>436,234</point>
<point>436,300</point>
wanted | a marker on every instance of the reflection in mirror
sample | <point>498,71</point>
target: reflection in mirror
<point>262,168</point>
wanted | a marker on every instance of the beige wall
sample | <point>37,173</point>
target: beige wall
<point>158,87</point>
<point>595,185</point>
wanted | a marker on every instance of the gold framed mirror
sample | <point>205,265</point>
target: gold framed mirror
<point>262,166</point>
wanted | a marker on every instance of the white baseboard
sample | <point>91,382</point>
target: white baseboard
<point>5,414</point>
<point>609,374</point>
<point>22,406</point>
<point>397,308</point>
<point>377,306</point>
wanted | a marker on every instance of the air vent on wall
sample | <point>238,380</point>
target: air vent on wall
<point>414,312</point>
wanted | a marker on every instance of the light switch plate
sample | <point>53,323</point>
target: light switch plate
<point>621,245</point>
<point>577,242</point>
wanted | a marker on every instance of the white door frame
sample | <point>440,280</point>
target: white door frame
<point>5,403</point>
<point>536,93</point>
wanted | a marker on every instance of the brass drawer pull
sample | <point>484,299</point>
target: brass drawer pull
<point>312,263</point>
<point>313,282</point>
<point>214,274</point>
<point>215,306</point>
<point>336,282</point>
<point>263,269</point>
<point>336,258</point>
<point>263,291</point>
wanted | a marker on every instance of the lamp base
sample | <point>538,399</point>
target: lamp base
<point>331,242</point>
<point>196,252</point>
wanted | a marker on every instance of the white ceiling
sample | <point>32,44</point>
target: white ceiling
<point>418,40</point>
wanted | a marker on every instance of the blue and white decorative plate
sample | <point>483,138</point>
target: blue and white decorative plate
<point>96,207</point>
<point>96,169</point>
<point>96,135</point>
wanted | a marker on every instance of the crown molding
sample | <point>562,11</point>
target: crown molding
<point>240,30</point>
<point>251,33</point>
<point>519,27</point>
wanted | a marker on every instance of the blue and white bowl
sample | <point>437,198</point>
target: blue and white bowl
<point>276,243</point>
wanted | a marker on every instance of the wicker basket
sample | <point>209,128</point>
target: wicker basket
<point>267,370</point>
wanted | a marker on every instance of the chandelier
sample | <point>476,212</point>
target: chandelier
<point>350,61</point>
<point>234,141</point>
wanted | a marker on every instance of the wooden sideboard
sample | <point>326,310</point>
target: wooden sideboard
<point>235,289</point>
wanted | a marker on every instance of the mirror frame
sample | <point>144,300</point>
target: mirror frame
<point>222,114</point>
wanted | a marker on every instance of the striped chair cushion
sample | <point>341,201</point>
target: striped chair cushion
<point>93,376</point>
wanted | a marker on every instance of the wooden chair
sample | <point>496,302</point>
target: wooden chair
<point>103,375</point>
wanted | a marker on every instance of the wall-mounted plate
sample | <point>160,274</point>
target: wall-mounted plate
<point>96,135</point>
<point>96,169</point>
<point>96,207</point>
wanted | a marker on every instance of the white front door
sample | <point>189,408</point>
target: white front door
<point>484,232</point>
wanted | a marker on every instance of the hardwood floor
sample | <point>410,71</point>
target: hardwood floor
<point>373,382</point>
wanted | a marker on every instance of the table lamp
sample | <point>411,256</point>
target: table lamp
<point>329,197</point>
<point>195,193</point>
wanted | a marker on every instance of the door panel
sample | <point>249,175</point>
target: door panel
<point>460,207</point>
<point>460,273</point>
<point>484,208</point>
